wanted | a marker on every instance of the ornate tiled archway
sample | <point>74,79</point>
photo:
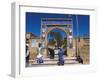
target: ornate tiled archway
<point>49,24</point>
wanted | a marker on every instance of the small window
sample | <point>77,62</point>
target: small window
<point>33,43</point>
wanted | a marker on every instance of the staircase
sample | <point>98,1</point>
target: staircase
<point>48,61</point>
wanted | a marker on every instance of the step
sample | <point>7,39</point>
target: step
<point>47,61</point>
<point>55,62</point>
<point>56,58</point>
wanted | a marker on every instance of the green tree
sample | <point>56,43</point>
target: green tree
<point>57,37</point>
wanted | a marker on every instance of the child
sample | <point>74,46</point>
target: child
<point>39,59</point>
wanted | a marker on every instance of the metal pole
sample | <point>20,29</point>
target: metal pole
<point>77,24</point>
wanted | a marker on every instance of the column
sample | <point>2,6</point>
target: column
<point>70,38</point>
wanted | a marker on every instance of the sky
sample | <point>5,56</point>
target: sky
<point>33,22</point>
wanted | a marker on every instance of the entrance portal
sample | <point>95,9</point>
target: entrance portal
<point>57,38</point>
<point>64,24</point>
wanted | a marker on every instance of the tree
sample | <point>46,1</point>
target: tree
<point>57,37</point>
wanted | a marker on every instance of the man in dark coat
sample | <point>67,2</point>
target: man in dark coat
<point>27,54</point>
<point>52,54</point>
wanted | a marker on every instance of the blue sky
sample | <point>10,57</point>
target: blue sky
<point>33,22</point>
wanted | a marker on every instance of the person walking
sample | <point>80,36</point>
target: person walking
<point>61,56</point>
<point>39,56</point>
